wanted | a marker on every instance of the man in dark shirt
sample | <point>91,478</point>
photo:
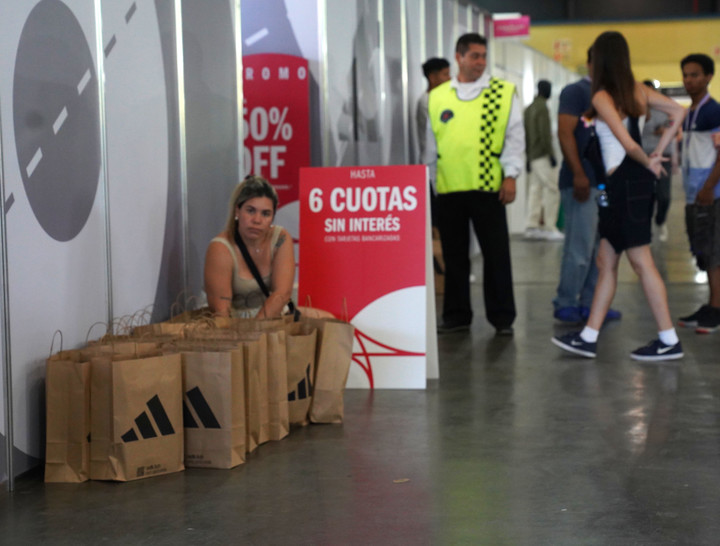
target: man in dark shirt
<point>578,194</point>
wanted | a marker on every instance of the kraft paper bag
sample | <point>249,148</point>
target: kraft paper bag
<point>279,415</point>
<point>122,348</point>
<point>301,342</point>
<point>332,365</point>
<point>257,417</point>
<point>214,408</point>
<point>160,329</point>
<point>136,417</point>
<point>67,394</point>
<point>191,316</point>
<point>257,407</point>
<point>249,324</point>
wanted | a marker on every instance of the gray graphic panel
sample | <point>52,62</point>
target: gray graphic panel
<point>171,276</point>
<point>394,137</point>
<point>211,124</point>
<point>55,91</point>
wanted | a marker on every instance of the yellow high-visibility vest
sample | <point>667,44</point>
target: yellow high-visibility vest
<point>470,136</point>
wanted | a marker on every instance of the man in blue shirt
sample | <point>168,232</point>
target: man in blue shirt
<point>578,194</point>
<point>701,172</point>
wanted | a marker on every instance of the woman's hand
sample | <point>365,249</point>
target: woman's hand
<point>655,164</point>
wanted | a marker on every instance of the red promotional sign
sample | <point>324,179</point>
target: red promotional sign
<point>363,247</point>
<point>276,120</point>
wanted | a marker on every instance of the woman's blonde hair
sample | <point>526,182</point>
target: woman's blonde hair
<point>252,186</point>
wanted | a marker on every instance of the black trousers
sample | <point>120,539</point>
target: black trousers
<point>455,213</point>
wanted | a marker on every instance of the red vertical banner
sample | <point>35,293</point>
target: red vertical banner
<point>276,120</point>
<point>363,252</point>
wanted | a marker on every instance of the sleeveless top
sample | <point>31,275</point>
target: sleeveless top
<point>613,152</point>
<point>247,297</point>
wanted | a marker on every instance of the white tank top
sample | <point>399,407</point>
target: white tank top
<point>613,152</point>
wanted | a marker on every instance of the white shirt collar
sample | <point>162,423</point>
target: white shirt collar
<point>468,90</point>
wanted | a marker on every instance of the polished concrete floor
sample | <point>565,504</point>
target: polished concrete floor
<point>516,444</point>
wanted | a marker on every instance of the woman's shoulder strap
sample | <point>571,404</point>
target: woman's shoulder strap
<point>230,248</point>
<point>276,233</point>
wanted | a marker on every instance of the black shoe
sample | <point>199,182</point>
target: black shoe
<point>691,321</point>
<point>575,344</point>
<point>656,350</point>
<point>709,322</point>
<point>449,327</point>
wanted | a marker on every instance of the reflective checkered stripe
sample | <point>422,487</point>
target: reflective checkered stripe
<point>470,136</point>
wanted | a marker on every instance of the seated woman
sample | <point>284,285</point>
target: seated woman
<point>229,283</point>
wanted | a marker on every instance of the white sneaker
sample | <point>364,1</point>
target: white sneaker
<point>533,234</point>
<point>553,235</point>
<point>662,232</point>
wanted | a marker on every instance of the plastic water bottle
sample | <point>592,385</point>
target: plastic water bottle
<point>602,198</point>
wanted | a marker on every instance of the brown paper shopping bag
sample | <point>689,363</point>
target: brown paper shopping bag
<point>67,395</point>
<point>275,369</point>
<point>136,417</point>
<point>214,407</point>
<point>126,347</point>
<point>257,417</point>
<point>255,356</point>
<point>160,329</point>
<point>248,324</point>
<point>301,342</point>
<point>278,408</point>
<point>332,365</point>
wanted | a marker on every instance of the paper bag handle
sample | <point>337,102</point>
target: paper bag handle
<point>52,341</point>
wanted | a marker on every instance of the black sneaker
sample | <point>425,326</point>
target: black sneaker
<point>449,327</point>
<point>656,350</point>
<point>691,321</point>
<point>575,344</point>
<point>709,322</point>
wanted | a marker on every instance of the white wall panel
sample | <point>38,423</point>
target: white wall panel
<point>137,150</point>
<point>417,49</point>
<point>55,215</point>
<point>340,50</point>
<point>3,414</point>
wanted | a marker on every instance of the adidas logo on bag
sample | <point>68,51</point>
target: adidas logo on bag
<point>304,388</point>
<point>145,426</point>
<point>202,410</point>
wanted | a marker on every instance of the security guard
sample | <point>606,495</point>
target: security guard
<point>478,149</point>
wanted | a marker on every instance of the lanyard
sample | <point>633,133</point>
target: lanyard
<point>688,125</point>
<point>692,118</point>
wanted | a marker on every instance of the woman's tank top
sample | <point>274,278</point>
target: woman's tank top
<point>613,152</point>
<point>247,297</point>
